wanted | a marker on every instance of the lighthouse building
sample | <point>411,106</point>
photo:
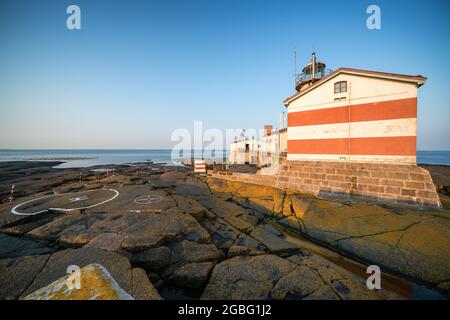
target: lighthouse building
<point>353,115</point>
<point>350,133</point>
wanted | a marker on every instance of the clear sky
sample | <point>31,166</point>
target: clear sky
<point>137,70</point>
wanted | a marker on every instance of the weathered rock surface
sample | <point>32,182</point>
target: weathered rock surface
<point>186,252</point>
<point>274,243</point>
<point>185,237</point>
<point>57,264</point>
<point>107,241</point>
<point>227,209</point>
<point>28,223</point>
<point>143,289</point>
<point>272,277</point>
<point>400,239</point>
<point>96,283</point>
<point>134,231</point>
<point>137,198</point>
<point>191,206</point>
<point>12,247</point>
<point>192,275</point>
<point>17,274</point>
<point>222,234</point>
<point>79,229</point>
<point>244,278</point>
<point>153,259</point>
<point>245,245</point>
<point>168,179</point>
<point>192,187</point>
<point>260,198</point>
<point>410,243</point>
<point>154,230</point>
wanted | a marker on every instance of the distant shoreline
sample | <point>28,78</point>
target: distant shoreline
<point>59,159</point>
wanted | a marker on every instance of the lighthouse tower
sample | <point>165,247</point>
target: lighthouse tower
<point>313,71</point>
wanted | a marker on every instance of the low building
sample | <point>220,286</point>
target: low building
<point>245,151</point>
<point>276,142</point>
<point>264,152</point>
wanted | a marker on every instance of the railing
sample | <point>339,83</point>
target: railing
<point>302,77</point>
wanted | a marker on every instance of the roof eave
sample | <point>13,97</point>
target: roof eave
<point>418,80</point>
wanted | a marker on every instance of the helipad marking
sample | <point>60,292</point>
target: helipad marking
<point>78,199</point>
<point>148,199</point>
<point>14,210</point>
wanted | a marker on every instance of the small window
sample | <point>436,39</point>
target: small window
<point>340,87</point>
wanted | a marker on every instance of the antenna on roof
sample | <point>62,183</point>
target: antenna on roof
<point>295,66</point>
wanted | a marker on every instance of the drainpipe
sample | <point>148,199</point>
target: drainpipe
<point>349,119</point>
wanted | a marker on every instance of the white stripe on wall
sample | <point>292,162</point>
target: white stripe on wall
<point>364,129</point>
<point>354,101</point>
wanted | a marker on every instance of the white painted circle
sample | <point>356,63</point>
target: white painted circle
<point>14,210</point>
<point>148,199</point>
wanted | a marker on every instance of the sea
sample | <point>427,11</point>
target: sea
<point>77,158</point>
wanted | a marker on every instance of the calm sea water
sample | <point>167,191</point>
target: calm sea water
<point>92,157</point>
<point>99,157</point>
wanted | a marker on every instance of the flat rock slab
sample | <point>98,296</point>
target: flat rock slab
<point>271,277</point>
<point>402,239</point>
<point>191,206</point>
<point>186,252</point>
<point>6,217</point>
<point>79,229</point>
<point>222,234</point>
<point>153,259</point>
<point>408,242</point>
<point>13,247</point>
<point>192,275</point>
<point>16,275</point>
<point>137,198</point>
<point>246,278</point>
<point>156,229</point>
<point>143,289</point>
<point>168,179</point>
<point>107,241</point>
<point>227,209</point>
<point>274,243</point>
<point>66,201</point>
<point>245,245</point>
<point>29,223</point>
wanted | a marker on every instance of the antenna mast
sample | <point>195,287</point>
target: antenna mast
<point>295,66</point>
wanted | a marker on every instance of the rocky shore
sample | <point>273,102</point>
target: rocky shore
<point>171,234</point>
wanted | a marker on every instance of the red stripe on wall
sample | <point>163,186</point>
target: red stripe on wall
<point>384,110</point>
<point>387,146</point>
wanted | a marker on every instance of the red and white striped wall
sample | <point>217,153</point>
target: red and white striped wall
<point>375,120</point>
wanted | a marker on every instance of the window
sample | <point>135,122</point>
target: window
<point>340,86</point>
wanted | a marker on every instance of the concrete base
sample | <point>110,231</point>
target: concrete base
<point>409,184</point>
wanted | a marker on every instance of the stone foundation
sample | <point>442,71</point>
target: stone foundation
<point>409,184</point>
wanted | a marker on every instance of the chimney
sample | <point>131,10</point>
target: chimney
<point>267,130</point>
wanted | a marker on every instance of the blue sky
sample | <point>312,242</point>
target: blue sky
<point>137,70</point>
